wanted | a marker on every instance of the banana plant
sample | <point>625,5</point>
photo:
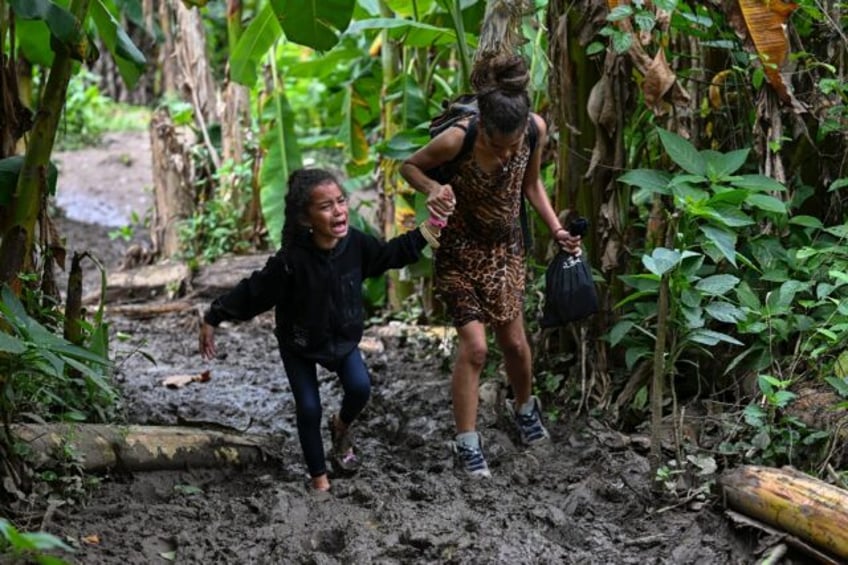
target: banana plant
<point>71,40</point>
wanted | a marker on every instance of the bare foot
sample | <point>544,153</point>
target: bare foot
<point>321,483</point>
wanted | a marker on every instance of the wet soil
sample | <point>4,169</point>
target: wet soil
<point>579,499</point>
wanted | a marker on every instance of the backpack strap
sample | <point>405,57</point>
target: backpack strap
<point>468,140</point>
<point>524,220</point>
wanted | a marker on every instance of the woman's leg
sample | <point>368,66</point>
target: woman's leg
<point>470,358</point>
<point>512,339</point>
<point>303,380</point>
<point>518,363</point>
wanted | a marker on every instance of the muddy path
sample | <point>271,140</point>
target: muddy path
<point>580,499</point>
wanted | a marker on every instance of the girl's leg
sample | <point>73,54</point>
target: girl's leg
<point>470,358</point>
<point>303,380</point>
<point>356,384</point>
<point>512,340</point>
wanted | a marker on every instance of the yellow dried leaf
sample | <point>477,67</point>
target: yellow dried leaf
<point>765,21</point>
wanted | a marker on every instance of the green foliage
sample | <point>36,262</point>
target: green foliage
<point>752,289</point>
<point>44,374</point>
<point>212,231</point>
<point>29,547</point>
<point>88,114</point>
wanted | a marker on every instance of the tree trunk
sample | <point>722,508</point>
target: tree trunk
<point>173,182</point>
<point>139,448</point>
<point>804,506</point>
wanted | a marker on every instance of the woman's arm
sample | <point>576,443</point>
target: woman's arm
<point>538,196</point>
<point>442,149</point>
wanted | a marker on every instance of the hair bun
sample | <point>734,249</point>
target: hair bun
<point>507,73</point>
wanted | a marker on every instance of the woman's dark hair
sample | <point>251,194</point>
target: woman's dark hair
<point>301,183</point>
<point>501,86</point>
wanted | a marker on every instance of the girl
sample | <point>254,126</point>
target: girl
<point>314,282</point>
<point>479,270</point>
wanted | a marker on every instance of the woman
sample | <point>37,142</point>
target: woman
<point>480,263</point>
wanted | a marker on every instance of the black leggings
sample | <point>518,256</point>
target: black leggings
<point>303,379</point>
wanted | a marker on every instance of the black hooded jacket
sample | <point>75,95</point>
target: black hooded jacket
<point>317,293</point>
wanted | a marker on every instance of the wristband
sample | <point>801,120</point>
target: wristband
<point>437,221</point>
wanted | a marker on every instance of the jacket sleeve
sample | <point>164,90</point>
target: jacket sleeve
<point>251,296</point>
<point>378,256</point>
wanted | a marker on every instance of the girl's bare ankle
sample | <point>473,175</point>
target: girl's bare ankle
<point>321,483</point>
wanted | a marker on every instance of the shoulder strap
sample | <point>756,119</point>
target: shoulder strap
<point>533,134</point>
<point>468,140</point>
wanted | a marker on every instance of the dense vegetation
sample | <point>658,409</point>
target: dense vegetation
<point>705,141</point>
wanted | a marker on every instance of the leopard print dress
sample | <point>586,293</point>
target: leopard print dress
<point>480,269</point>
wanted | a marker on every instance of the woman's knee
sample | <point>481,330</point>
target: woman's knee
<point>474,353</point>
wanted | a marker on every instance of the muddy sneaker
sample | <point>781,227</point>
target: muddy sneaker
<point>530,427</point>
<point>343,456</point>
<point>471,460</point>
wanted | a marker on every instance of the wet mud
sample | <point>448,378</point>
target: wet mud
<point>578,499</point>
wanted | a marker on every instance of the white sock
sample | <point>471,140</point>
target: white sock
<point>468,439</point>
<point>527,407</point>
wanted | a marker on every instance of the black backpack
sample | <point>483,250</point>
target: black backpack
<point>462,107</point>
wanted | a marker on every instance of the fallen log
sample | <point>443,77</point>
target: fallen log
<point>101,447</point>
<point>812,510</point>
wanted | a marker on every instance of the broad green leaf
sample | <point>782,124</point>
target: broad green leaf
<point>253,44</point>
<point>11,344</point>
<point>691,298</point>
<point>694,317</point>
<point>62,23</point>
<point>733,197</point>
<point>838,184</point>
<point>767,203</point>
<point>633,354</point>
<point>723,240</point>
<point>840,231</point>
<point>661,260</point>
<point>282,156</point>
<point>618,331</point>
<point>806,221</point>
<point>412,33</point>
<point>710,337</point>
<point>840,381</point>
<point>117,41</point>
<point>404,144</point>
<point>312,23</point>
<point>758,183</point>
<point>688,195</point>
<point>635,297</point>
<point>747,297</point>
<point>10,167</point>
<point>730,216</point>
<point>643,282</point>
<point>34,41</point>
<point>724,312</point>
<point>782,398</point>
<point>722,165</point>
<point>754,415</point>
<point>683,153</point>
<point>649,179</point>
<point>717,285</point>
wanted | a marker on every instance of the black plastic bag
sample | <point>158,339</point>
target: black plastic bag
<point>569,291</point>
